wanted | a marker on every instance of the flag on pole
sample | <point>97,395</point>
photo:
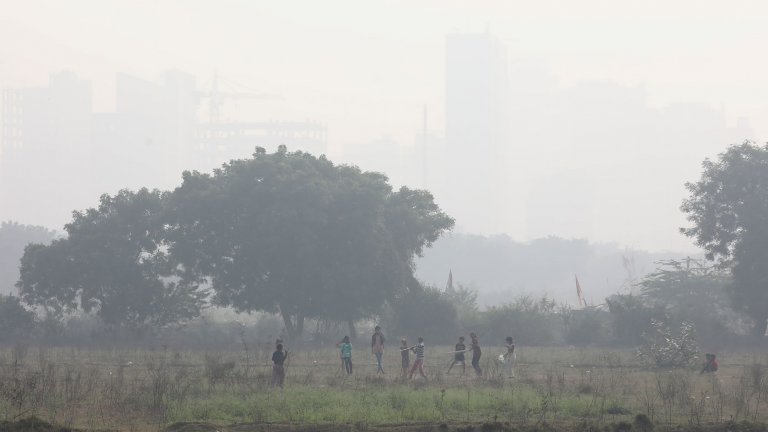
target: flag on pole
<point>580,293</point>
<point>449,285</point>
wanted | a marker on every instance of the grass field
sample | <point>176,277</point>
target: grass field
<point>150,389</point>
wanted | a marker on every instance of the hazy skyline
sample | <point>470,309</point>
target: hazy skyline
<point>366,69</point>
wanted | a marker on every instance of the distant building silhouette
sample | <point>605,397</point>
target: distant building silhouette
<point>57,153</point>
<point>46,146</point>
<point>476,130</point>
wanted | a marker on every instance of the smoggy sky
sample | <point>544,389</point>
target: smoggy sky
<point>367,68</point>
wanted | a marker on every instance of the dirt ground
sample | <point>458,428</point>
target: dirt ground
<point>639,425</point>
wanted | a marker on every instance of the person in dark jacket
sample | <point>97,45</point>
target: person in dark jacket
<point>278,366</point>
<point>458,356</point>
<point>476,353</point>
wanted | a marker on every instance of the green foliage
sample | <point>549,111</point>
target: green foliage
<point>663,348</point>
<point>749,287</point>
<point>283,232</point>
<point>632,317</point>
<point>692,291</point>
<point>587,327</point>
<point>113,263</point>
<point>13,238</point>
<point>296,234</point>
<point>528,320</point>
<point>678,291</point>
<point>16,322</point>
<point>728,210</point>
<point>426,312</point>
<point>464,299</point>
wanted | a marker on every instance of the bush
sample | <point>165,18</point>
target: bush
<point>665,349</point>
<point>587,327</point>
<point>16,322</point>
<point>530,322</point>
<point>632,317</point>
<point>426,312</point>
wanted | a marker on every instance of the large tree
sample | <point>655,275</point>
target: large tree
<point>298,235</point>
<point>692,291</point>
<point>114,263</point>
<point>13,238</point>
<point>728,209</point>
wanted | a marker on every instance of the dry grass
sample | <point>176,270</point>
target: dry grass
<point>146,389</point>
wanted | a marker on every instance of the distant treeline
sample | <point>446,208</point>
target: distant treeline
<point>501,268</point>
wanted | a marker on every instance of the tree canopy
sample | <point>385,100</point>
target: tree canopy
<point>728,210</point>
<point>283,232</point>
<point>296,234</point>
<point>114,262</point>
<point>13,238</point>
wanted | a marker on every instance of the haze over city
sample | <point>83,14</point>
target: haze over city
<point>591,116</point>
<point>383,215</point>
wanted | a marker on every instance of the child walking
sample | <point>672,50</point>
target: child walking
<point>458,356</point>
<point>278,368</point>
<point>346,354</point>
<point>476,353</point>
<point>419,363</point>
<point>509,356</point>
<point>377,348</point>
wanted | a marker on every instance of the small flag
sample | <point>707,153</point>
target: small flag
<point>580,293</point>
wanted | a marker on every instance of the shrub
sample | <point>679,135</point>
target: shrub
<point>665,349</point>
<point>426,312</point>
<point>16,322</point>
<point>529,321</point>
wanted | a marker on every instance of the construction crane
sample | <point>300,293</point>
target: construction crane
<point>223,133</point>
<point>217,97</point>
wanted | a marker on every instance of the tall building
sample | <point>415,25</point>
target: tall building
<point>46,147</point>
<point>57,155</point>
<point>476,132</point>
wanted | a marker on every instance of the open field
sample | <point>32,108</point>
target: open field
<point>152,389</point>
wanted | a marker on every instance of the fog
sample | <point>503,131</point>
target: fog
<point>572,119</point>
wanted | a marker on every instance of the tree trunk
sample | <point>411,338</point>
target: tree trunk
<point>352,330</point>
<point>289,327</point>
<point>299,327</point>
<point>761,324</point>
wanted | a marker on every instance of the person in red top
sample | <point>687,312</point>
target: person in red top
<point>710,364</point>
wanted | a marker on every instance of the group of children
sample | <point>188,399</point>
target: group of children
<point>508,358</point>
<point>377,348</point>
<point>408,369</point>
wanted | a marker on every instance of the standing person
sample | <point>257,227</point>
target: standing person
<point>476,353</point>
<point>405,353</point>
<point>341,356</point>
<point>509,356</point>
<point>419,363</point>
<point>710,364</point>
<point>377,347</point>
<point>278,368</point>
<point>458,356</point>
<point>346,354</point>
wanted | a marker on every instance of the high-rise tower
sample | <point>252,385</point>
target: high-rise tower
<point>477,139</point>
